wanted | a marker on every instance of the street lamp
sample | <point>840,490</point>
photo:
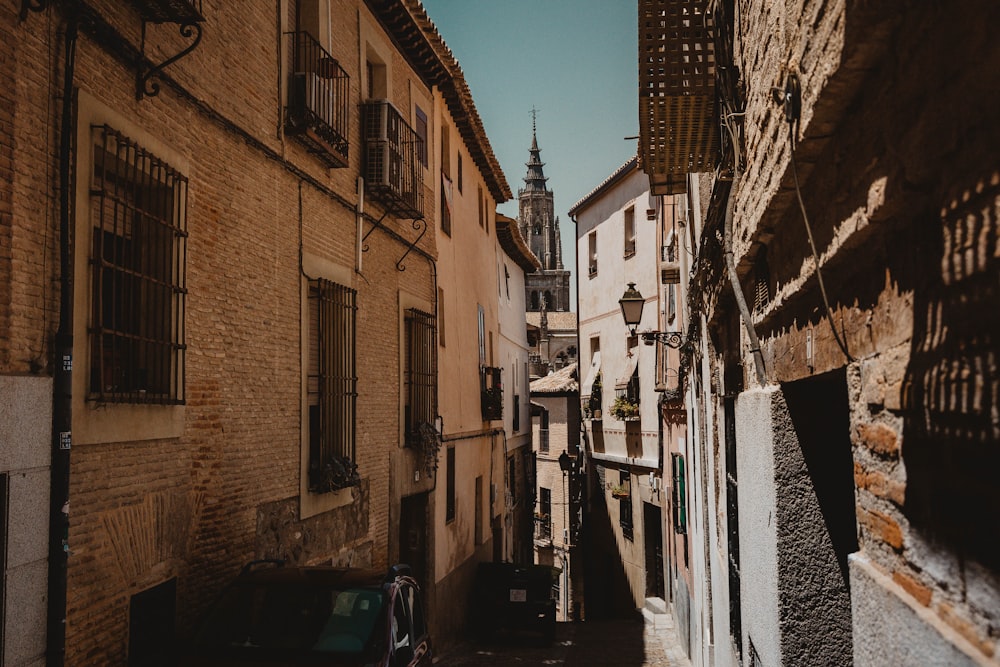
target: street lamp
<point>631,304</point>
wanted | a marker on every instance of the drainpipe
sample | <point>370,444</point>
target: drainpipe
<point>62,398</point>
<point>734,279</point>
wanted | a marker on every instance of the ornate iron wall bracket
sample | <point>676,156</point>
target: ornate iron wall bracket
<point>144,85</point>
<point>418,224</point>
<point>32,6</point>
<point>672,339</point>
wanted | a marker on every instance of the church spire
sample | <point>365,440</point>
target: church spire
<point>535,179</point>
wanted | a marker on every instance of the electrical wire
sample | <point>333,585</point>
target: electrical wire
<point>792,126</point>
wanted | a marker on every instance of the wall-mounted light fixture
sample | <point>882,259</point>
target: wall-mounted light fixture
<point>631,304</point>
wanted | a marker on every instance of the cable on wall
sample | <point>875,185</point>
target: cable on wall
<point>791,99</point>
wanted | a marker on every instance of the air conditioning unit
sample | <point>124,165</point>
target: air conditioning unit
<point>383,162</point>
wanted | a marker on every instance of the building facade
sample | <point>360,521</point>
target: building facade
<point>229,331</point>
<point>515,259</point>
<point>558,517</point>
<point>842,222</point>
<point>631,392</point>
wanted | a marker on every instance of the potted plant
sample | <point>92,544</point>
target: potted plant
<point>625,409</point>
<point>620,491</point>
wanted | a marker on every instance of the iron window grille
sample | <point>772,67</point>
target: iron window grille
<point>491,391</point>
<point>318,111</point>
<point>449,509</point>
<point>679,493</point>
<point>332,386</point>
<point>170,11</point>
<point>517,413</point>
<point>420,376</point>
<point>393,172</point>
<point>138,270</point>
<point>625,507</point>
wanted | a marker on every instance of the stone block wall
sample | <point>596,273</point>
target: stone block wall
<point>895,155</point>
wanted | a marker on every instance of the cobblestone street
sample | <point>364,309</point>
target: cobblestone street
<point>617,643</point>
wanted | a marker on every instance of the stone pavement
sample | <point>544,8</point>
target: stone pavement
<point>608,643</point>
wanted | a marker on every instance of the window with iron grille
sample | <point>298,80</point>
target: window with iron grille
<point>419,375</point>
<point>629,232</point>
<point>449,502</point>
<point>543,433</point>
<point>625,506</point>
<point>138,270</point>
<point>679,493</point>
<point>733,526</point>
<point>512,479</point>
<point>421,129</point>
<point>332,386</point>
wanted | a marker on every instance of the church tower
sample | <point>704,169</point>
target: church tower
<point>539,225</point>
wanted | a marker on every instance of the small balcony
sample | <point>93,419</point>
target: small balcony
<point>543,529</point>
<point>318,110</point>
<point>170,11</point>
<point>491,392</point>
<point>626,404</point>
<point>394,174</point>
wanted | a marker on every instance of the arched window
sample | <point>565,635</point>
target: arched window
<point>548,299</point>
<point>534,300</point>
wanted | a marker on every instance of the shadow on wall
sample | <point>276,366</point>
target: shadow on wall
<point>608,593</point>
<point>950,392</point>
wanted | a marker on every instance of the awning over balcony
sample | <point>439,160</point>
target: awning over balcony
<point>678,130</point>
<point>630,365</point>
<point>595,369</point>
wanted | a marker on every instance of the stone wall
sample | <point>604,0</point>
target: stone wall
<point>895,155</point>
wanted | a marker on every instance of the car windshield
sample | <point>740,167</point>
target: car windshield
<point>306,618</point>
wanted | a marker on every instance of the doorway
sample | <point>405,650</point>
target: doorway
<point>652,519</point>
<point>413,535</point>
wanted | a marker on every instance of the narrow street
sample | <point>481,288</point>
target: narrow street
<point>618,643</point>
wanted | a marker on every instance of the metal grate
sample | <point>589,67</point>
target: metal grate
<point>318,110</point>
<point>170,11</point>
<point>393,172</point>
<point>332,386</point>
<point>420,374</point>
<point>491,391</point>
<point>138,267</point>
<point>678,132</point>
<point>625,506</point>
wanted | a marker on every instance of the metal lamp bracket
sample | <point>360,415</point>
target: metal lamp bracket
<point>145,86</point>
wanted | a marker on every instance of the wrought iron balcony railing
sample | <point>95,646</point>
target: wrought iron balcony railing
<point>169,11</point>
<point>393,172</point>
<point>318,110</point>
<point>543,528</point>
<point>491,391</point>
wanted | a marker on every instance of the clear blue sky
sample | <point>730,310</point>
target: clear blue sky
<point>576,61</point>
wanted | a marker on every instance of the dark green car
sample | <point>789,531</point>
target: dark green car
<point>276,615</point>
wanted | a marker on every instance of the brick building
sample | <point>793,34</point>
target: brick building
<point>219,236</point>
<point>840,162</point>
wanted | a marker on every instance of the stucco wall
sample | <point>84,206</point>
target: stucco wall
<point>25,443</point>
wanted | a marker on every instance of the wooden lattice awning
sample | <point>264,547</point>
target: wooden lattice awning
<point>678,129</point>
